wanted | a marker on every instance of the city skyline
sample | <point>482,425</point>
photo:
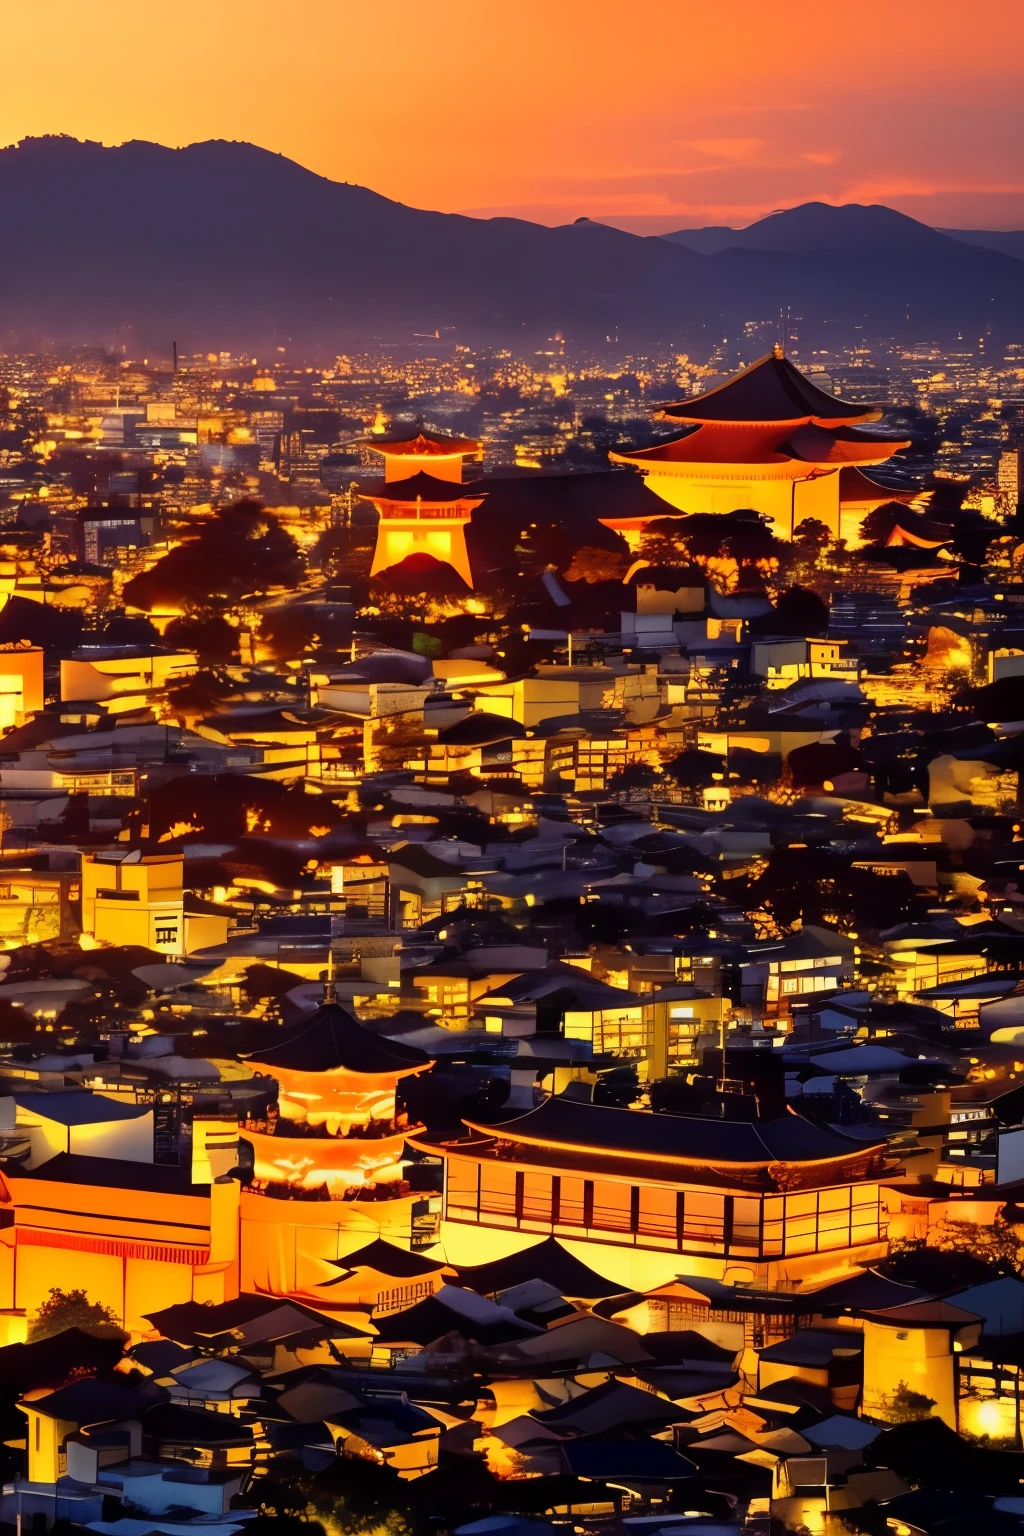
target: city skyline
<point>553,116</point>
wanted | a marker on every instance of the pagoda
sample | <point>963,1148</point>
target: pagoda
<point>424,507</point>
<point>769,440</point>
<point>336,1128</point>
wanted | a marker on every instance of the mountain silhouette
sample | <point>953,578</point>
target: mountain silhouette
<point>1009,241</point>
<point>226,245</point>
<point>820,228</point>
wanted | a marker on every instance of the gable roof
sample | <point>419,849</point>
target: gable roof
<point>547,1260</point>
<point>386,1259</point>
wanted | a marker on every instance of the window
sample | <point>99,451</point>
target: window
<point>167,933</point>
<point>536,1198</point>
<point>703,1221</point>
<point>612,1206</point>
<point>746,1224</point>
<point>498,1189</point>
<point>571,1202</point>
<point>463,1187</point>
<point>657,1213</point>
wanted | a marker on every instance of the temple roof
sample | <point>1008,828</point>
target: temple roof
<point>331,1040</point>
<point>603,1131</point>
<point>422,487</point>
<point>840,445</point>
<point>807,443</point>
<point>856,486</point>
<point>770,390</point>
<point>420,443</point>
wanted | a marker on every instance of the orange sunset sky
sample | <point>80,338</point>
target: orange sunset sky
<point>649,116</point>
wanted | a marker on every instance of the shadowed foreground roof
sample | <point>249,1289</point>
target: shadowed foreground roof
<point>386,1259</point>
<point>333,1040</point>
<point>547,1260</point>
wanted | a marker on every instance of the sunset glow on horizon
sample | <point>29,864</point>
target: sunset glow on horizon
<point>652,119</point>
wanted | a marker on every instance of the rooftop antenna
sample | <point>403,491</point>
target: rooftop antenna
<point>330,995</point>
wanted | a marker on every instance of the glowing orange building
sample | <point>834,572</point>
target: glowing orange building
<point>270,1206</point>
<point>423,508</point>
<point>336,1125</point>
<point>771,441</point>
<point>654,1195</point>
<point>326,1172</point>
<point>423,453</point>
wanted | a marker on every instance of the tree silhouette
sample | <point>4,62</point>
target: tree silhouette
<point>241,551</point>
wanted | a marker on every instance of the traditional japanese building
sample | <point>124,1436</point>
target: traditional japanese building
<point>771,441</point>
<point>269,1206</point>
<point>654,1195</point>
<point>326,1170</point>
<point>423,508</point>
<point>422,452</point>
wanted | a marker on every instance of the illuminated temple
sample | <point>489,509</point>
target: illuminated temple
<point>335,1124</point>
<point>423,508</point>
<point>654,1194</point>
<point>767,440</point>
<point>266,1206</point>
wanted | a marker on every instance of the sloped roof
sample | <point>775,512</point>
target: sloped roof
<point>603,1131</point>
<point>431,1319</point>
<point>386,1259</point>
<point>333,1040</point>
<point>89,1401</point>
<point>419,442</point>
<point>771,389</point>
<point>79,1106</point>
<point>423,487</point>
<point>196,1323</point>
<point>547,1260</point>
<point>114,1173</point>
<point>757,444</point>
<point>480,728</point>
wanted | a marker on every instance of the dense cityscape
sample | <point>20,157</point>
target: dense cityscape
<point>512,997</point>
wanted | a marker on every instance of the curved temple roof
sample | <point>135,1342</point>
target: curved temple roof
<point>422,443</point>
<point>807,444</point>
<point>664,1138</point>
<point>425,488</point>
<point>332,1040</point>
<point>770,390</point>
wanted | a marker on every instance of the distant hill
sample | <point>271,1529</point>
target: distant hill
<point>1009,241</point>
<point>819,228</point>
<point>227,245</point>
